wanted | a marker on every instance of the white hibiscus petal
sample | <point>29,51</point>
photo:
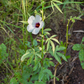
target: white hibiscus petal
<point>36,31</point>
<point>31,19</point>
<point>41,24</point>
<point>38,18</point>
<point>33,23</point>
<point>30,28</point>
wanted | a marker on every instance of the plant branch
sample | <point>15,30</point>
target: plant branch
<point>55,72</point>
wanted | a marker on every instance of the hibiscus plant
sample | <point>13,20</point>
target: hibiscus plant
<point>36,56</point>
<point>40,53</point>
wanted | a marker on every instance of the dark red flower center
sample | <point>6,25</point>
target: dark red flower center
<point>37,25</point>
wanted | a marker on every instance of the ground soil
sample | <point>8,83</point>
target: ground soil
<point>77,75</point>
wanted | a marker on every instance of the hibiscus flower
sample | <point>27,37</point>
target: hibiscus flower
<point>35,24</point>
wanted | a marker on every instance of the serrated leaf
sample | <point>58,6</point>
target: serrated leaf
<point>47,71</point>
<point>53,46</point>
<point>63,56</point>
<point>41,74</point>
<point>55,40</point>
<point>77,47</point>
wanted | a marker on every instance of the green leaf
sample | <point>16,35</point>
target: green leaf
<point>53,46</point>
<point>48,29</point>
<point>39,55</point>
<point>57,58</point>
<point>53,36</point>
<point>29,82</point>
<point>57,1</point>
<point>47,71</point>
<point>77,47</point>
<point>3,53</point>
<point>63,56</point>
<point>41,74</point>
<point>26,55</point>
<point>68,56</point>
<point>48,44</point>
<point>18,75</point>
<point>81,57</point>
<point>83,39</point>
<point>51,63</point>
<point>28,44</point>
<point>25,22</point>
<point>36,63</point>
<point>62,44</point>
<point>82,64</point>
<point>51,52</point>
<point>35,42</point>
<point>46,33</point>
<point>39,82</point>
<point>36,59</point>
<point>57,78</point>
<point>48,39</point>
<point>13,81</point>
<point>29,61</point>
<point>35,67</point>
<point>34,77</point>
<point>60,48</point>
<point>57,7</point>
<point>55,40</point>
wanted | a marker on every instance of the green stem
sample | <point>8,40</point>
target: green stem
<point>49,15</point>
<point>67,32</point>
<point>31,38</point>
<point>8,68</point>
<point>71,25</point>
<point>55,72</point>
<point>42,28</point>
<point>67,36</point>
